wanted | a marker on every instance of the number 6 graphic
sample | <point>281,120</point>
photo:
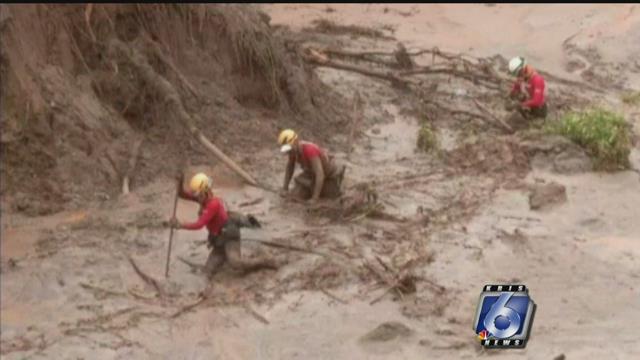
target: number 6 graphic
<point>499,309</point>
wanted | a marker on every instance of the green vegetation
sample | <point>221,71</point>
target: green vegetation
<point>631,98</point>
<point>602,133</point>
<point>427,139</point>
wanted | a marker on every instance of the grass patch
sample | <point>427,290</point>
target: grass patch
<point>631,98</point>
<point>603,134</point>
<point>427,139</point>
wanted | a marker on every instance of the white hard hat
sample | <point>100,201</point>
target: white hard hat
<point>516,64</point>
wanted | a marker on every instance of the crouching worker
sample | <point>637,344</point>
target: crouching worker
<point>224,227</point>
<point>528,90</point>
<point>321,177</point>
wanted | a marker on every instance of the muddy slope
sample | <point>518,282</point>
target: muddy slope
<point>72,109</point>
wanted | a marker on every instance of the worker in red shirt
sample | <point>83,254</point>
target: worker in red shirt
<point>529,89</point>
<point>223,226</point>
<point>320,175</point>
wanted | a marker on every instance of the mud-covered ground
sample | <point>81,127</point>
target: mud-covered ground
<point>459,218</point>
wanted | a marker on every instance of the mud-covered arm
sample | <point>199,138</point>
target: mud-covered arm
<point>318,171</point>
<point>289,173</point>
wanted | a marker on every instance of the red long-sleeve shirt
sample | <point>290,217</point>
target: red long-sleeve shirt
<point>309,151</point>
<point>535,87</point>
<point>212,214</point>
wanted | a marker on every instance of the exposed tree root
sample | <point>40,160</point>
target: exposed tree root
<point>173,102</point>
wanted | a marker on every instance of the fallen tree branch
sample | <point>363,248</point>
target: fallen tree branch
<point>326,292</point>
<point>146,278</point>
<point>189,307</point>
<point>251,202</point>
<point>101,290</point>
<point>255,314</point>
<point>138,296</point>
<point>159,53</point>
<point>381,296</point>
<point>320,60</point>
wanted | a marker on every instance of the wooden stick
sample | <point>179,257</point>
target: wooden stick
<point>189,307</point>
<point>389,289</point>
<point>326,292</point>
<point>251,202</point>
<point>146,278</point>
<point>175,207</point>
<point>255,314</point>
<point>230,163</point>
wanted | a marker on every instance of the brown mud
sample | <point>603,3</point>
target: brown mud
<point>396,277</point>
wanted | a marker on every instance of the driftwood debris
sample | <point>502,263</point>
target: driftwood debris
<point>146,278</point>
<point>201,299</point>
<point>498,121</point>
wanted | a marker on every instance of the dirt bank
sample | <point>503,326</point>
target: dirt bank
<point>73,108</point>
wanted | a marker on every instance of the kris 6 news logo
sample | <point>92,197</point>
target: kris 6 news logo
<point>504,316</point>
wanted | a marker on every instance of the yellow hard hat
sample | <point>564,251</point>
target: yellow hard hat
<point>286,139</point>
<point>200,183</point>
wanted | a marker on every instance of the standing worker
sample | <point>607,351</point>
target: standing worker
<point>320,175</point>
<point>529,89</point>
<point>224,227</point>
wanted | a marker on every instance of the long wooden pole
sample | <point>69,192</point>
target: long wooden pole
<point>175,207</point>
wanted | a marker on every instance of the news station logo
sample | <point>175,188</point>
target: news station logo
<point>504,316</point>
